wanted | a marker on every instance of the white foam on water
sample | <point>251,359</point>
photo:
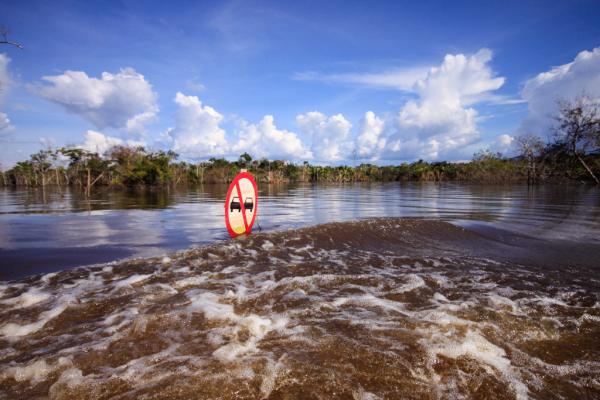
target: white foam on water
<point>475,346</point>
<point>267,245</point>
<point>413,282</point>
<point>27,298</point>
<point>585,317</point>
<point>441,315</point>
<point>71,378</point>
<point>441,280</point>
<point>35,371</point>
<point>500,301</point>
<point>13,329</point>
<point>125,318</point>
<point>209,304</point>
<point>190,281</point>
<point>158,290</point>
<point>361,394</point>
<point>546,301</point>
<point>242,312</point>
<point>240,293</point>
<point>47,277</point>
<point>229,352</point>
<point>132,280</point>
<point>295,294</point>
<point>305,248</point>
<point>140,370</point>
<point>258,327</point>
<point>370,300</point>
<point>272,371</point>
<point>253,253</point>
<point>440,297</point>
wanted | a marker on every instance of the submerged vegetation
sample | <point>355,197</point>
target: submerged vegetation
<point>573,154</point>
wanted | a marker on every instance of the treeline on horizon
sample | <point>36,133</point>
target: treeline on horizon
<point>573,154</point>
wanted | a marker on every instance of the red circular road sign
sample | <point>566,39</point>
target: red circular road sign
<point>241,204</point>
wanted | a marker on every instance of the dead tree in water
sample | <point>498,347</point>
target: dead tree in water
<point>91,163</point>
<point>41,164</point>
<point>530,147</point>
<point>3,175</point>
<point>579,129</point>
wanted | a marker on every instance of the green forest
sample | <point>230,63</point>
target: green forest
<point>572,155</point>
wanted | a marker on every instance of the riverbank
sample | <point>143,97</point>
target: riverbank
<point>128,167</point>
<point>381,308</point>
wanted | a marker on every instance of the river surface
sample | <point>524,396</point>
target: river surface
<point>381,291</point>
<point>45,231</point>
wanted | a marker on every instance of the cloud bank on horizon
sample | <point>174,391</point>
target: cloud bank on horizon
<point>442,110</point>
<point>441,123</point>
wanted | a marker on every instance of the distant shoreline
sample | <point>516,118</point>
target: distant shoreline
<point>129,167</point>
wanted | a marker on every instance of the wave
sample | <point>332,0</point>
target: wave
<point>381,308</point>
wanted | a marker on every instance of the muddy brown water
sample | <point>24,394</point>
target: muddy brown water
<point>374,308</point>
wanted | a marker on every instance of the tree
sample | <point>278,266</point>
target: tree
<point>91,163</point>
<point>41,162</point>
<point>579,129</point>
<point>530,146</point>
<point>4,33</point>
<point>245,159</point>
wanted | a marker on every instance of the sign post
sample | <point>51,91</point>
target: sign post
<point>241,204</point>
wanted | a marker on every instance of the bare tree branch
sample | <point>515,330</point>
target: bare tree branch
<point>579,129</point>
<point>4,33</point>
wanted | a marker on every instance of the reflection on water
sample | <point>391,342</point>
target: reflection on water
<point>41,231</point>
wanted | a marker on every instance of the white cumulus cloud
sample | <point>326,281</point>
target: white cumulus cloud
<point>124,100</point>
<point>370,142</point>
<point>503,144</point>
<point>97,142</point>
<point>328,135</point>
<point>5,85</point>
<point>441,121</point>
<point>197,132</point>
<point>266,140</point>
<point>564,82</point>
<point>4,122</point>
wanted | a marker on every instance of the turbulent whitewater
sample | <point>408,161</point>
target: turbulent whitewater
<point>373,309</point>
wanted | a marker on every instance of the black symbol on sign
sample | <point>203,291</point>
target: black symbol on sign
<point>235,204</point>
<point>249,204</point>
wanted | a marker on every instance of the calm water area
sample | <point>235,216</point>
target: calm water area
<point>56,229</point>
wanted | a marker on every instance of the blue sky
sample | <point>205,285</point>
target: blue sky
<point>330,82</point>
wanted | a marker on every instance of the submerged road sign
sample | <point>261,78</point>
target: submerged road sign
<point>241,204</point>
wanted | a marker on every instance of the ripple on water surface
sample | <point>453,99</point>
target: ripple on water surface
<point>322,312</point>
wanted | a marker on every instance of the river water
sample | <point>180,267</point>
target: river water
<point>54,230</point>
<point>356,291</point>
